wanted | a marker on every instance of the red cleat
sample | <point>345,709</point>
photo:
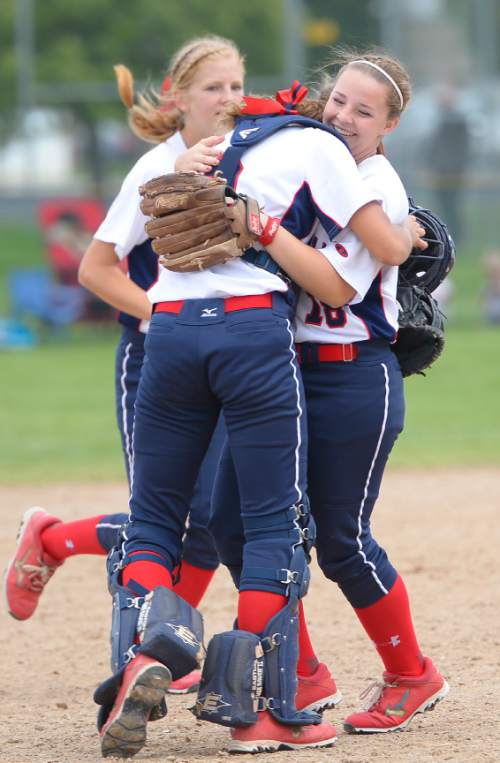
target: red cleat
<point>187,684</point>
<point>144,685</point>
<point>393,702</point>
<point>267,735</point>
<point>31,568</point>
<point>317,692</point>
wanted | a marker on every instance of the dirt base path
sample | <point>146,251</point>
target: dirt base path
<point>442,530</point>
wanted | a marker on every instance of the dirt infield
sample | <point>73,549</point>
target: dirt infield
<point>442,531</point>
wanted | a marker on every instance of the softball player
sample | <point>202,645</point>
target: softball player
<point>355,408</point>
<point>205,74</point>
<point>222,339</point>
<point>50,541</point>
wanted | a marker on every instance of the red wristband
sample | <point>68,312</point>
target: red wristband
<point>270,230</point>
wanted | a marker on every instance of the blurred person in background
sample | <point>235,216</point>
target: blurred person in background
<point>491,296</point>
<point>447,158</point>
<point>68,233</point>
<point>444,297</point>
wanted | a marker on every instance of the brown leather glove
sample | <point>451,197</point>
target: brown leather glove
<point>198,221</point>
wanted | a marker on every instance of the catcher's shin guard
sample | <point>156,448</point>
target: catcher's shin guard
<point>158,624</point>
<point>232,680</point>
<point>171,631</point>
<point>280,644</point>
<point>245,673</point>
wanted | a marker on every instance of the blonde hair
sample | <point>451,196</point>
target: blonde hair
<point>153,116</point>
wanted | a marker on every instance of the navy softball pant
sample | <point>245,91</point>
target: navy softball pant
<point>198,546</point>
<point>355,411</point>
<point>208,357</point>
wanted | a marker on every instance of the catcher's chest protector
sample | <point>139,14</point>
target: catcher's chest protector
<point>252,130</point>
<point>248,132</point>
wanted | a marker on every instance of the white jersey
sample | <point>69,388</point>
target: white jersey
<point>124,223</point>
<point>297,174</point>
<point>373,311</point>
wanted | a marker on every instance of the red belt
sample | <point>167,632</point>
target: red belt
<point>230,304</point>
<point>327,353</point>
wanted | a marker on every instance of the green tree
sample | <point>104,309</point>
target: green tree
<point>75,45</point>
<point>78,42</point>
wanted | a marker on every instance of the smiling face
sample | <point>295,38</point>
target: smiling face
<point>358,109</point>
<point>216,82</point>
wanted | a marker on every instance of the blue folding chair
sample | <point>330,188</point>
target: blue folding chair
<point>34,293</point>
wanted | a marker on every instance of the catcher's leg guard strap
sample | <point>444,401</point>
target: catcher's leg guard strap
<point>125,616</point>
<point>280,644</point>
<point>292,577</point>
<point>285,539</point>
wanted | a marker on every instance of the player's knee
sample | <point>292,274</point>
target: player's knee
<point>199,548</point>
<point>108,530</point>
<point>277,551</point>
<point>228,539</point>
<point>363,575</point>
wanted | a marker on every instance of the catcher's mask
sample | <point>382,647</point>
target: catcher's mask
<point>428,268</point>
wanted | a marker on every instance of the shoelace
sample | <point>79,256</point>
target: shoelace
<point>38,575</point>
<point>372,694</point>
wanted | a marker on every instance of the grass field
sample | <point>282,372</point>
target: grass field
<point>57,401</point>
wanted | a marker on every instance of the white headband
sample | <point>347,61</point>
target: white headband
<point>386,75</point>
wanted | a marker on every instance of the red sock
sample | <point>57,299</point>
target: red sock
<point>71,538</point>
<point>256,608</point>
<point>193,583</point>
<point>308,662</point>
<point>389,625</point>
<point>147,574</point>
